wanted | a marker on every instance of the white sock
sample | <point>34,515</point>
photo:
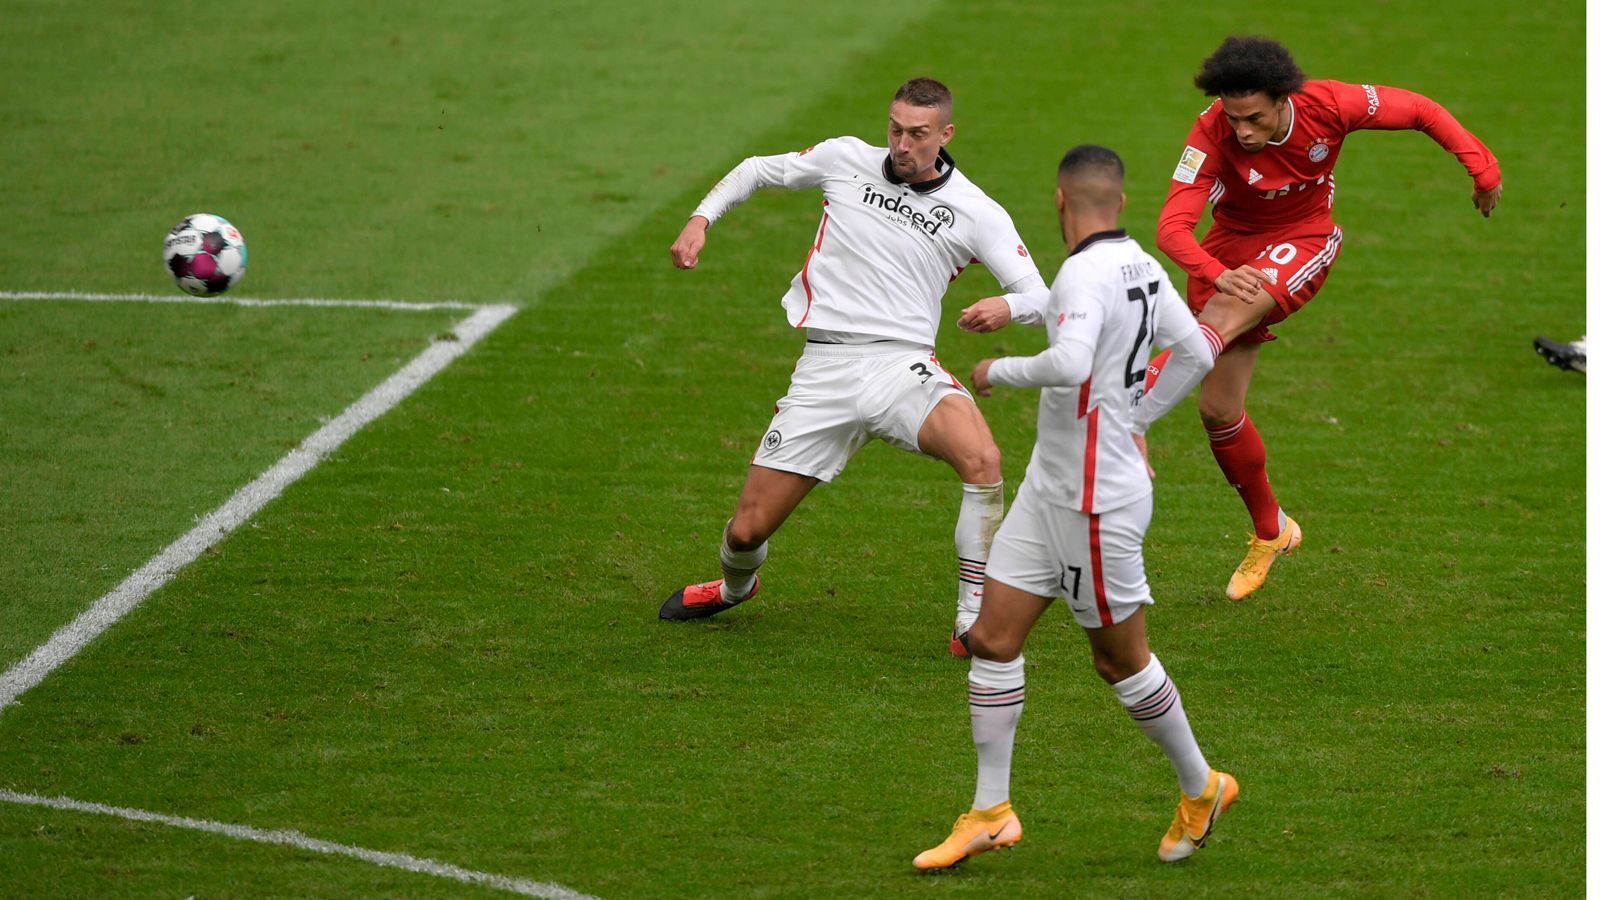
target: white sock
<point>994,699</point>
<point>983,506</point>
<point>1152,701</point>
<point>739,568</point>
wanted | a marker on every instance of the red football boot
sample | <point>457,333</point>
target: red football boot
<point>699,601</point>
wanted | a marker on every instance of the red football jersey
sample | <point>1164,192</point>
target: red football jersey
<point>1290,183</point>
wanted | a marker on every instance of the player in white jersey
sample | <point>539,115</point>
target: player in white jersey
<point>1077,527</point>
<point>898,225</point>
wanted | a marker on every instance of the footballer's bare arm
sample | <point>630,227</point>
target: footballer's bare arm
<point>691,240</point>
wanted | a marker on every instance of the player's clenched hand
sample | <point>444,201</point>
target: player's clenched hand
<point>1242,282</point>
<point>1144,451</point>
<point>988,314</point>
<point>980,378</point>
<point>686,249</point>
<point>1486,201</point>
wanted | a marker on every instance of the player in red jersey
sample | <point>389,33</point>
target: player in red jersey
<point>1263,154</point>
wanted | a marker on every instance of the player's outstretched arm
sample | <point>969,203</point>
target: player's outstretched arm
<point>1391,109</point>
<point>736,187</point>
<point>1067,362</point>
<point>686,249</point>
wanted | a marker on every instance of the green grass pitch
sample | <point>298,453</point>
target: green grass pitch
<point>442,641</point>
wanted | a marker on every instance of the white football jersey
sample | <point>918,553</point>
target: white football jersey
<point>886,251</point>
<point>1109,302</point>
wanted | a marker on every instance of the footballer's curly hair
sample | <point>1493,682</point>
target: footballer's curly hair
<point>1243,65</point>
<point>926,92</point>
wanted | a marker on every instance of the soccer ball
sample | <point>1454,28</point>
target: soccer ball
<point>206,254</point>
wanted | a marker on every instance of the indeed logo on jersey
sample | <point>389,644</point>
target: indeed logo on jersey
<point>929,223</point>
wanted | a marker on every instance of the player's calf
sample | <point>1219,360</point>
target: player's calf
<point>982,509</point>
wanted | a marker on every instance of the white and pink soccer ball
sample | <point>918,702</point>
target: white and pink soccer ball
<point>205,254</point>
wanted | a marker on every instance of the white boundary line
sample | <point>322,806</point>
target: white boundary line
<point>236,301</point>
<point>296,839</point>
<point>245,502</point>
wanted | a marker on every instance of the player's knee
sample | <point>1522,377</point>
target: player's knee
<point>989,464</point>
<point>1216,413</point>
<point>981,465</point>
<point>986,643</point>
<point>1113,668</point>
<point>1232,317</point>
<point>745,533</point>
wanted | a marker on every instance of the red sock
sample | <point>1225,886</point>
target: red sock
<point>1243,460</point>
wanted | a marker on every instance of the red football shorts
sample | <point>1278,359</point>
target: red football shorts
<point>1296,263</point>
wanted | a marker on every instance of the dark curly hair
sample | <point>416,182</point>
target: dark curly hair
<point>1243,65</point>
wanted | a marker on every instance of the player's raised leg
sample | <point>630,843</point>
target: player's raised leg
<point>1242,457</point>
<point>956,432</point>
<point>1123,659</point>
<point>995,689</point>
<point>768,498</point>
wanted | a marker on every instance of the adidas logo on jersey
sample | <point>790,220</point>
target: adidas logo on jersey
<point>1254,176</point>
<point>1271,273</point>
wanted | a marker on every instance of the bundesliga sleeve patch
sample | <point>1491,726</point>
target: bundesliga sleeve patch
<point>1189,165</point>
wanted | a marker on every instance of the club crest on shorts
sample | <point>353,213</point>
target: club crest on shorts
<point>772,440</point>
<point>1318,152</point>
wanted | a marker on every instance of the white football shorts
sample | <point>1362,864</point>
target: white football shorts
<point>1093,560</point>
<point>843,395</point>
